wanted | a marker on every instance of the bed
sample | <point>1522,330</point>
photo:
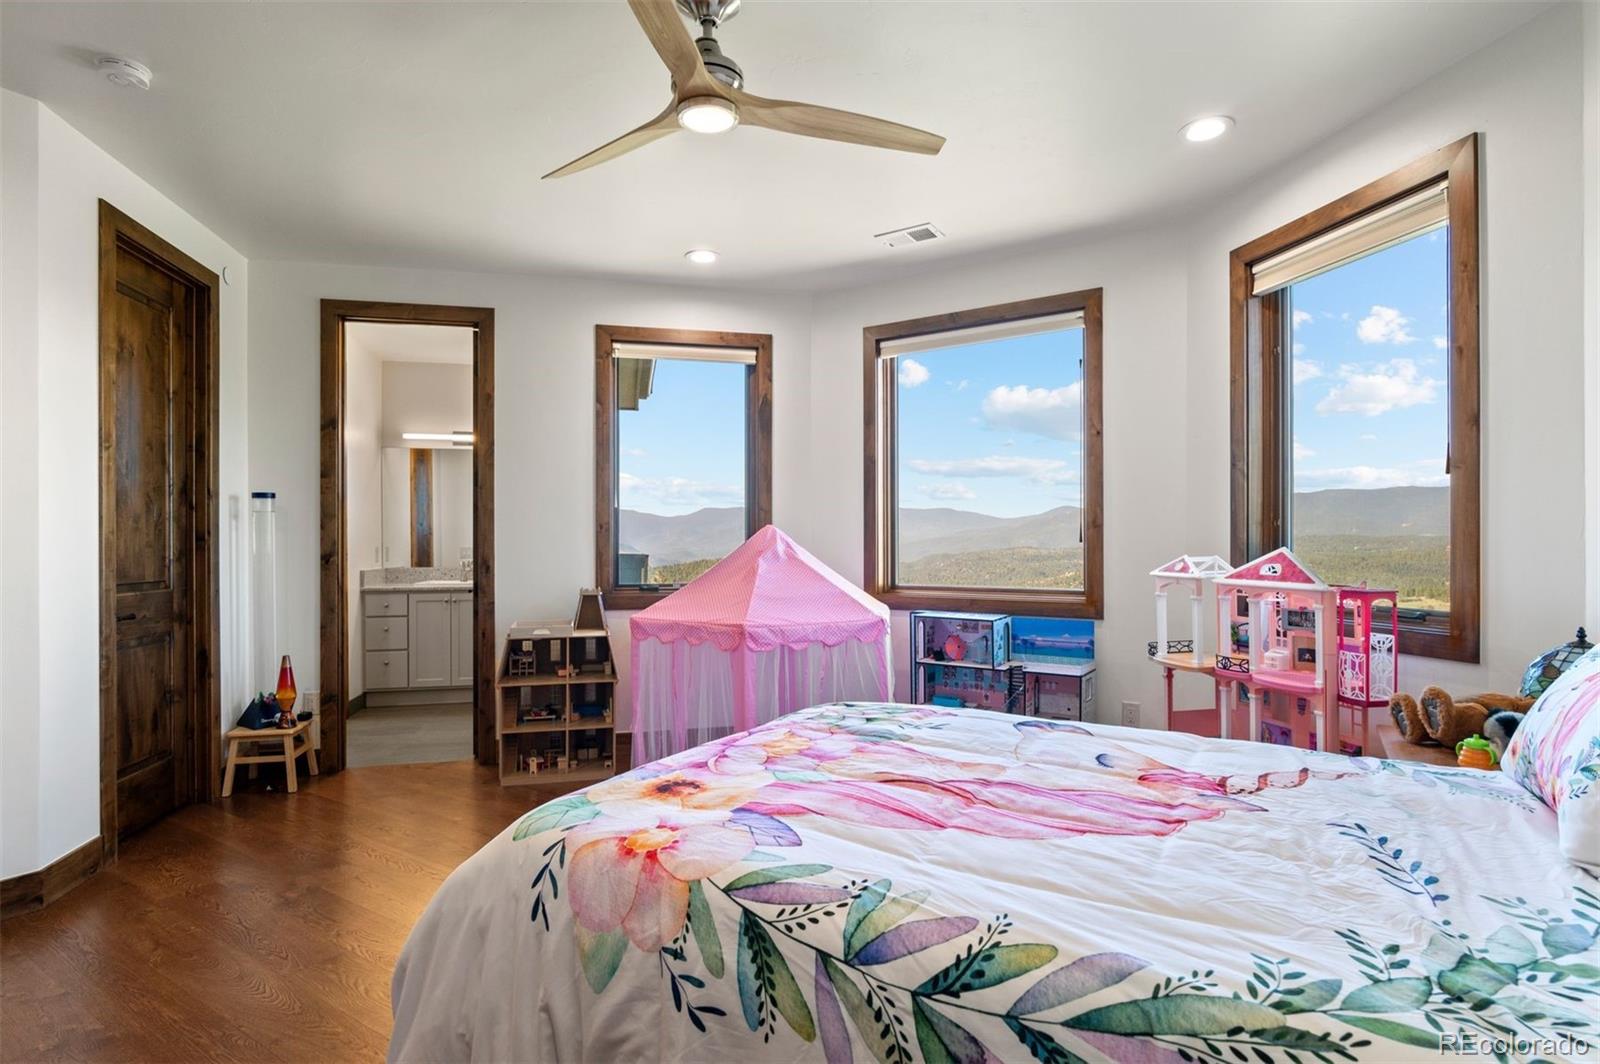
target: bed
<point>900,883</point>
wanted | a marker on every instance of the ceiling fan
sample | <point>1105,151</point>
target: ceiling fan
<point>708,93</point>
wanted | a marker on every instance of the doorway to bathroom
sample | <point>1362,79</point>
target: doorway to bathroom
<point>407,533</point>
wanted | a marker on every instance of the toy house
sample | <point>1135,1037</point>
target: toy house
<point>1368,650</point>
<point>1036,666</point>
<point>1192,573</point>
<point>1055,658</point>
<point>1276,641</point>
<point>961,659</point>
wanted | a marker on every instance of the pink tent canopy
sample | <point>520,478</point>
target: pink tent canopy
<point>767,630</point>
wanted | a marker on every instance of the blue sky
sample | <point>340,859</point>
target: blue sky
<point>1370,370</point>
<point>683,449</point>
<point>992,427</point>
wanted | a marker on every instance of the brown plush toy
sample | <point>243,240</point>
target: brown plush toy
<point>1447,721</point>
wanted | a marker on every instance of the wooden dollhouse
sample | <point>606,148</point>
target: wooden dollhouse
<point>1192,573</point>
<point>555,712</point>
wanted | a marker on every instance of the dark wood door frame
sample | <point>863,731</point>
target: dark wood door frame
<point>118,232</point>
<point>335,542</point>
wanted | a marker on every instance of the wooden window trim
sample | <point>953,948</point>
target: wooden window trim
<point>879,464</point>
<point>1258,504</point>
<point>757,450</point>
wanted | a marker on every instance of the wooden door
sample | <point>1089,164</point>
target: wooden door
<point>148,396</point>
<point>463,632</point>
<point>430,639</point>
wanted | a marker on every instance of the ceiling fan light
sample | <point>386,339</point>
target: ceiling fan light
<point>1209,127</point>
<point>707,114</point>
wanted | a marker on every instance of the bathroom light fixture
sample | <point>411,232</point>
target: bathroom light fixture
<point>701,256</point>
<point>707,114</point>
<point>1210,127</point>
<point>439,437</point>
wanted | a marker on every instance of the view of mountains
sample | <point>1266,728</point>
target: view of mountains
<point>714,531</point>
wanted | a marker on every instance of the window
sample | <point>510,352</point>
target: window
<point>684,454</point>
<point>983,458</point>
<point>1355,395</point>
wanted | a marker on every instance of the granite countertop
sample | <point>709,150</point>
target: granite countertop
<point>422,585</point>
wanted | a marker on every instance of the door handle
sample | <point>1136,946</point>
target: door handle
<point>127,616</point>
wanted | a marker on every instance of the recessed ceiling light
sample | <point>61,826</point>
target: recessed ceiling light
<point>1208,128</point>
<point>701,256</point>
<point>124,73</point>
<point>707,114</point>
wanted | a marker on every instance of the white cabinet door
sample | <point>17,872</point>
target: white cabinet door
<point>461,639</point>
<point>430,639</point>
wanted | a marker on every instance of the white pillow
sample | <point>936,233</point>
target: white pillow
<point>1556,755</point>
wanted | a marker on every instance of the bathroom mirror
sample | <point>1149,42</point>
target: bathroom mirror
<point>427,506</point>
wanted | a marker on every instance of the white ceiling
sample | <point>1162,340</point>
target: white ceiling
<point>415,134</point>
<point>397,342</point>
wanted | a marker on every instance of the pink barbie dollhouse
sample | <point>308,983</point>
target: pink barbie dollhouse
<point>1281,632</point>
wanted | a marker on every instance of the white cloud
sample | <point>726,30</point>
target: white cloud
<point>1301,451</point>
<point>1440,342</point>
<point>1305,370</point>
<point>636,452</point>
<point>1054,413</point>
<point>994,465</point>
<point>1298,348</point>
<point>1363,476</point>
<point>950,491</point>
<point>913,373</point>
<point>1368,437</point>
<point>676,492</point>
<point>1301,317</point>
<point>1393,385</point>
<point>960,385</point>
<point>1385,325</point>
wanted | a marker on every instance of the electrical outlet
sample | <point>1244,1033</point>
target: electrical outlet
<point>1130,714</point>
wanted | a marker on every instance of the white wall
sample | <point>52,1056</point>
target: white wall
<point>1166,359</point>
<point>544,417</point>
<point>53,181</point>
<point>425,397</point>
<point>363,492</point>
<point>1142,276</point>
<point>1524,94</point>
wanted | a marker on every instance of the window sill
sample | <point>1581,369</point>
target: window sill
<point>1437,642</point>
<point>990,600</point>
<point>632,598</point>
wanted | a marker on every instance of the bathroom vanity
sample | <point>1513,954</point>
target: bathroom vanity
<point>418,637</point>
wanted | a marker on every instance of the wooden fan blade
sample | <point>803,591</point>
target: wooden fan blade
<point>809,120</point>
<point>664,26</point>
<point>653,130</point>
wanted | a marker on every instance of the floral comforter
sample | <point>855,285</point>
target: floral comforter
<point>864,882</point>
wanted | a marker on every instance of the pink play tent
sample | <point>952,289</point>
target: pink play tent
<point>767,630</point>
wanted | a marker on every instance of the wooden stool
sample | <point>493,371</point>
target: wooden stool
<point>292,742</point>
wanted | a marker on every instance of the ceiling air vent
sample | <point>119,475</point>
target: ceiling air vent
<point>911,234</point>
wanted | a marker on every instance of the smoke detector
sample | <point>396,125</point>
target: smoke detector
<point>911,234</point>
<point>124,73</point>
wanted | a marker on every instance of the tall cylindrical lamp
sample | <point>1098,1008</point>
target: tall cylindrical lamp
<point>264,590</point>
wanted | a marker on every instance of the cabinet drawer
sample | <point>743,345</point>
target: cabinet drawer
<point>385,633</point>
<point>385,603</point>
<point>387,669</point>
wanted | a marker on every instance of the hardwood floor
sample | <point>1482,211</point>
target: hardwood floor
<point>263,927</point>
